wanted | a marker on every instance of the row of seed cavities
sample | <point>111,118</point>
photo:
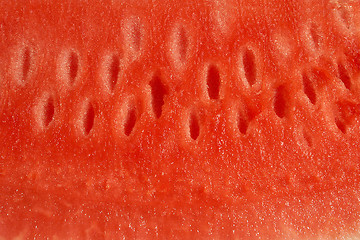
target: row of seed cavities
<point>70,67</point>
<point>179,53</point>
<point>68,71</point>
<point>45,110</point>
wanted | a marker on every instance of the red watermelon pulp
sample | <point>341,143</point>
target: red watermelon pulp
<point>179,119</point>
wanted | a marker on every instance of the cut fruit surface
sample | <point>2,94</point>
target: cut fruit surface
<point>180,119</point>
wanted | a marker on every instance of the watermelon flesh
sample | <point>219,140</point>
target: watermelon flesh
<point>179,119</point>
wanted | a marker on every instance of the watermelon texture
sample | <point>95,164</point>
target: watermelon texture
<point>177,119</point>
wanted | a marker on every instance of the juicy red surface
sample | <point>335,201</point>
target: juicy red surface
<point>186,141</point>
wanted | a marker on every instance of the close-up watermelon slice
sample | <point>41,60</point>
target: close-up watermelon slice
<point>209,119</point>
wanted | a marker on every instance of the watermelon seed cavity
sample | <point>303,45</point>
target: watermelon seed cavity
<point>73,67</point>
<point>307,138</point>
<point>158,92</point>
<point>341,125</point>
<point>49,110</point>
<point>178,46</point>
<point>134,34</point>
<point>23,69</point>
<point>26,63</point>
<point>309,89</point>
<point>113,73</point>
<point>130,121</point>
<point>194,126</point>
<point>314,35</point>
<point>344,76</point>
<point>249,66</point>
<point>344,15</point>
<point>280,104</point>
<point>243,123</point>
<point>182,43</point>
<point>213,82</point>
<point>88,120</point>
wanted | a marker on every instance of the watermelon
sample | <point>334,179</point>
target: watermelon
<point>179,119</point>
